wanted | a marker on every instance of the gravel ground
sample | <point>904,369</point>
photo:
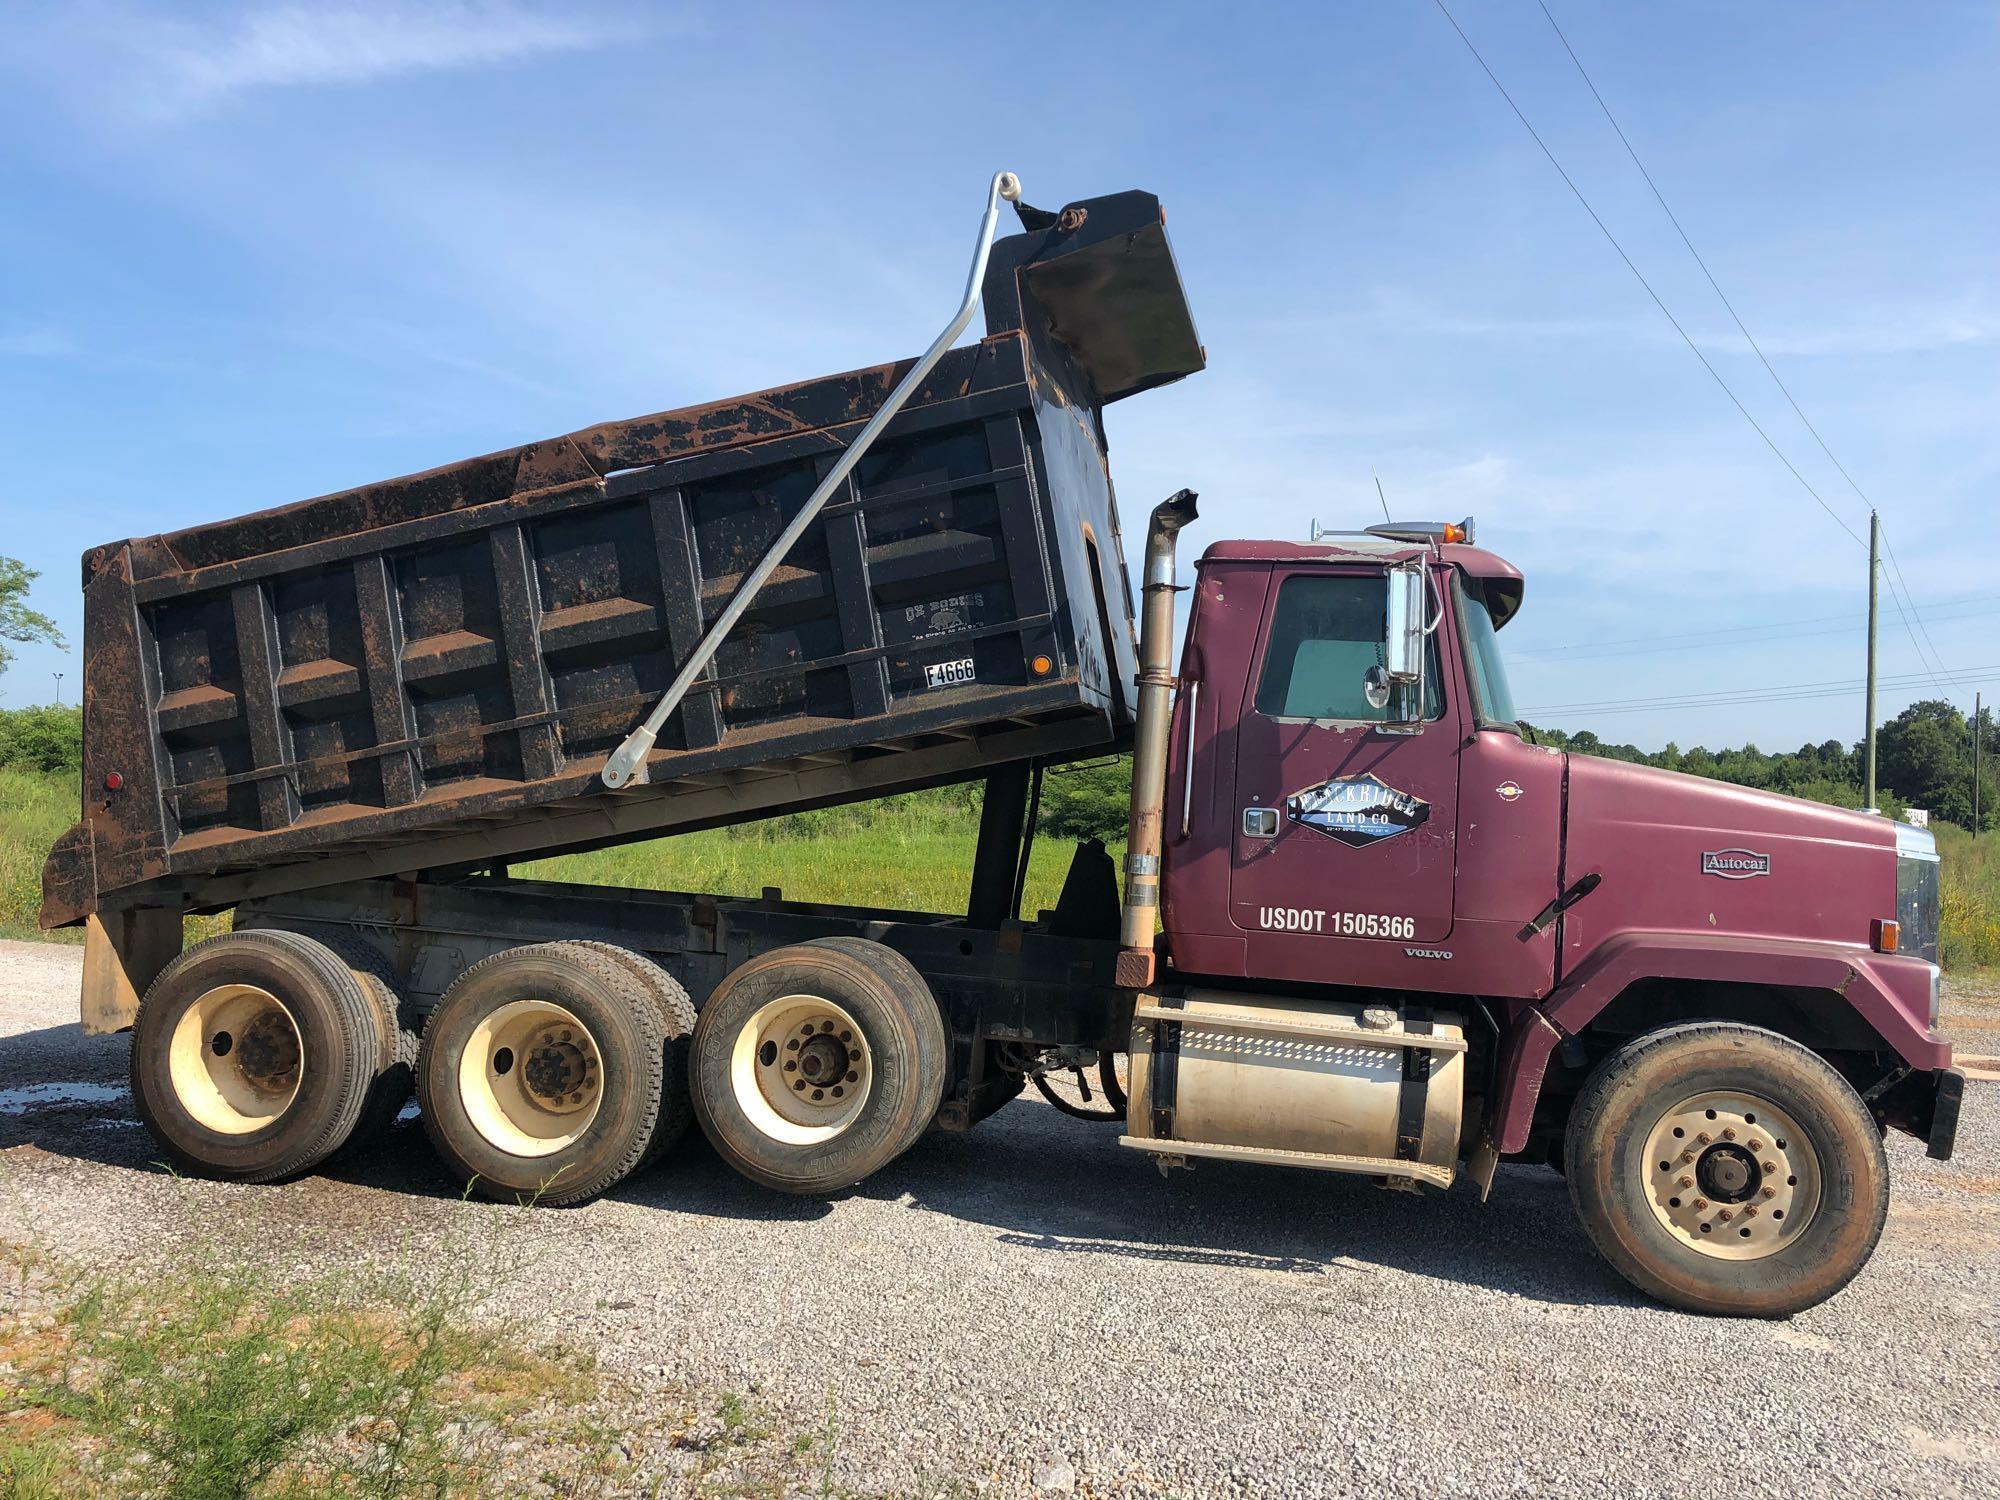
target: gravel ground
<point>1029,1308</point>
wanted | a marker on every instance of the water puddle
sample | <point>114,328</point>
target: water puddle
<point>33,1096</point>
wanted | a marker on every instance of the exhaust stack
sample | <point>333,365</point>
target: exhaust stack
<point>1136,959</point>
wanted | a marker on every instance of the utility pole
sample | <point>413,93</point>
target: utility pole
<point>1975,766</point>
<point>1874,567</point>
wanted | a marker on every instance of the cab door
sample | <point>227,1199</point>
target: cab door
<point>1344,827</point>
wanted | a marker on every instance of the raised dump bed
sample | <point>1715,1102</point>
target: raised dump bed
<point>433,670</point>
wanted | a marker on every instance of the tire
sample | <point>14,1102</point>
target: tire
<point>755,1086</point>
<point>395,1078</point>
<point>933,1042</point>
<point>570,1120</point>
<point>253,1055</point>
<point>1682,1179</point>
<point>676,1012</point>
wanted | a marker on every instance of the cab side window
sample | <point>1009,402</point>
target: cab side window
<point>1326,632</point>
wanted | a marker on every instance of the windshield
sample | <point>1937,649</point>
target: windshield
<point>1493,699</point>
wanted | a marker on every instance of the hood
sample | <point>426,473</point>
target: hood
<point>1687,854</point>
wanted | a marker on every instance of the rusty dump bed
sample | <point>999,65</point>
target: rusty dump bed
<point>431,671</point>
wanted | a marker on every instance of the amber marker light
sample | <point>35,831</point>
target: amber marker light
<point>1888,933</point>
<point>1041,666</point>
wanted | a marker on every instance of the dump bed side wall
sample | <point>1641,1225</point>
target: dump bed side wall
<point>355,673</point>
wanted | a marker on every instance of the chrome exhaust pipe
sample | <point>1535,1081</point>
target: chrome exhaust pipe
<point>1136,960</point>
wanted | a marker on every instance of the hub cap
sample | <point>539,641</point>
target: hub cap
<point>1732,1175</point>
<point>531,1078</point>
<point>235,1058</point>
<point>801,1069</point>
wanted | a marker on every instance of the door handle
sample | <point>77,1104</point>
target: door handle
<point>1561,904</point>
<point>1187,760</point>
<point>1260,822</point>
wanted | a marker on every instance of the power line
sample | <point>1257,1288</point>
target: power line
<point>1738,697</point>
<point>1902,585</point>
<point>1737,635</point>
<point>1666,312</point>
<point>1750,339</point>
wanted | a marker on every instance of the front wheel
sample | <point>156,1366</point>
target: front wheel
<point>1727,1169</point>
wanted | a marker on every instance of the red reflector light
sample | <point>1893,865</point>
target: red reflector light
<point>114,782</point>
<point>1888,933</point>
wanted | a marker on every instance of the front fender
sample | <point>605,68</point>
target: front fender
<point>1891,994</point>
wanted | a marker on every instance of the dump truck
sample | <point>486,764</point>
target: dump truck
<point>1367,924</point>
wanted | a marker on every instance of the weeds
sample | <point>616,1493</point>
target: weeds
<point>1969,899</point>
<point>229,1384</point>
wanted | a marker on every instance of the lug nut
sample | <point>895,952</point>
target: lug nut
<point>1725,1216</point>
<point>1684,1182</point>
<point>853,1077</point>
<point>1704,1137</point>
<point>1686,1157</point>
<point>1729,1134</point>
<point>1750,1212</point>
<point>1770,1166</point>
<point>792,1045</point>
<point>1754,1144</point>
<point>1700,1203</point>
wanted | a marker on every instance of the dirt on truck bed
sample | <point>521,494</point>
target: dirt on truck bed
<point>1032,1313</point>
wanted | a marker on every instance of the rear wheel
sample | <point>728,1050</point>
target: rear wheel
<point>253,1055</point>
<point>541,1074</point>
<point>395,1078</point>
<point>816,1065</point>
<point>669,998</point>
<point>1727,1169</point>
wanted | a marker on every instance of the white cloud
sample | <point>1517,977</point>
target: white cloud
<point>174,66</point>
<point>38,343</point>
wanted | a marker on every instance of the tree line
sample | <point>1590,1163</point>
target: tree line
<point>1923,758</point>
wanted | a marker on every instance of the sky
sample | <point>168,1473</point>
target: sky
<point>255,253</point>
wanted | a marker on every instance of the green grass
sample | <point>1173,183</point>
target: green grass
<point>36,807</point>
<point>909,853</point>
<point>1970,919</point>
<point>211,1379</point>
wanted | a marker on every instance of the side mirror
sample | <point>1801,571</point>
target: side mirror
<point>1403,625</point>
<point>1375,688</point>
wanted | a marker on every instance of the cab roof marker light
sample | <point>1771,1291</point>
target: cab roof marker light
<point>1425,531</point>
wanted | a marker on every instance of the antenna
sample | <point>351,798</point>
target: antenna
<point>1378,492</point>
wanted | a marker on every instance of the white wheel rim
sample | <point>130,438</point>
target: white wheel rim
<point>531,1078</point>
<point>801,1069</point>
<point>235,1059</point>
<point>1732,1175</point>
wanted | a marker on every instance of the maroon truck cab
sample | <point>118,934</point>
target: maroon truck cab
<point>1312,841</point>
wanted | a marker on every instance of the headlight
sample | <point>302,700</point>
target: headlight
<point>1917,895</point>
